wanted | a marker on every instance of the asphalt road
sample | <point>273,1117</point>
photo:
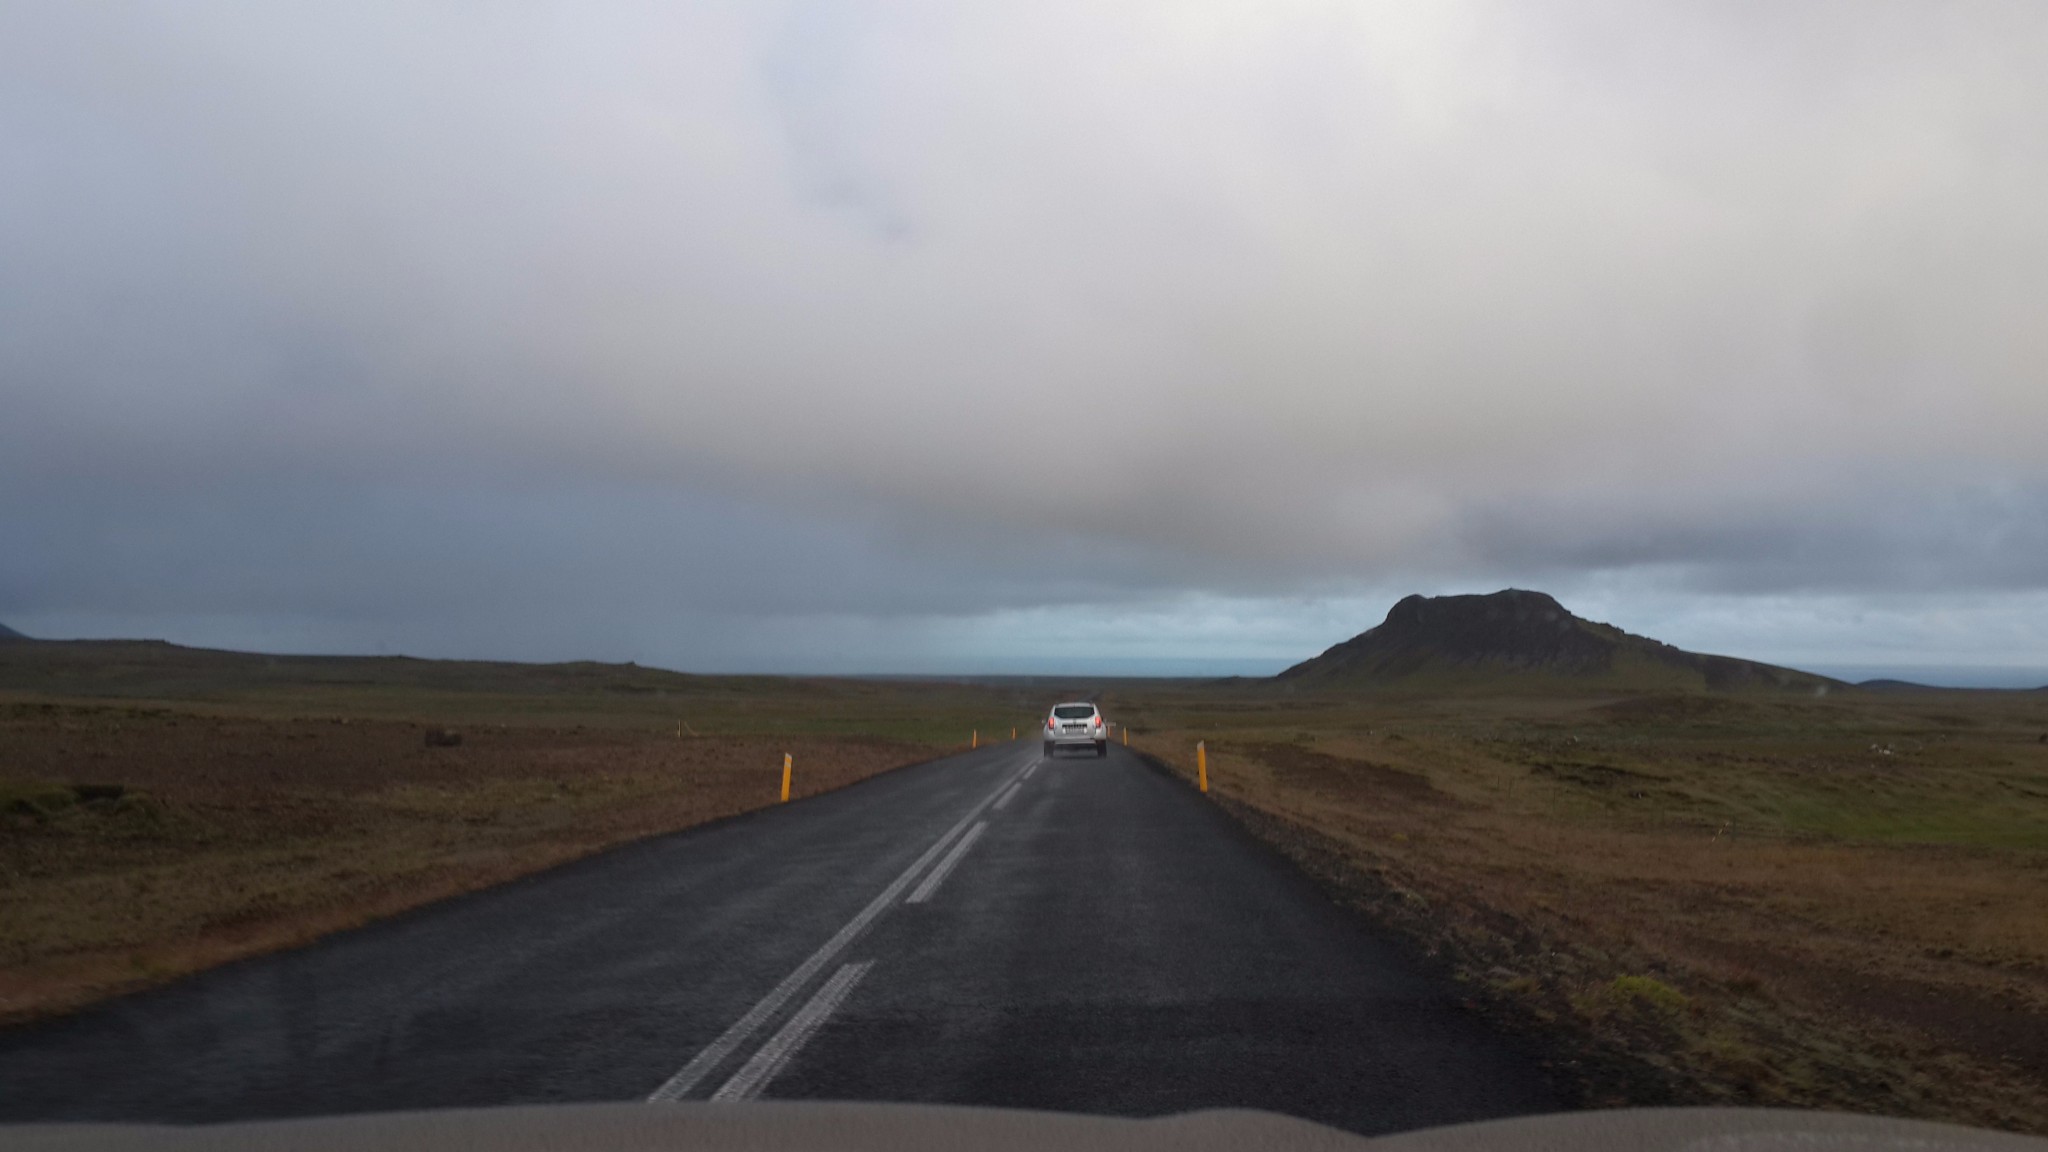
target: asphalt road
<point>1076,934</point>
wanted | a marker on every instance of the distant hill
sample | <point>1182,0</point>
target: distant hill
<point>7,633</point>
<point>1517,639</point>
<point>153,668</point>
<point>1893,686</point>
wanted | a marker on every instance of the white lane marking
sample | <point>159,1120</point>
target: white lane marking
<point>945,867</point>
<point>782,1047</point>
<point>1009,796</point>
<point>716,1052</point>
<point>1028,772</point>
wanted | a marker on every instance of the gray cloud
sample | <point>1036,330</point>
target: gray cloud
<point>1891,535</point>
<point>399,320</point>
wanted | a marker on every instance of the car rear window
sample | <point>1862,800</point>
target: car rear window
<point>1074,711</point>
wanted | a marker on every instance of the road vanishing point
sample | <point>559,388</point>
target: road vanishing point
<point>994,928</point>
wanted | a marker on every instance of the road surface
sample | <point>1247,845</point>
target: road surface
<point>993,928</point>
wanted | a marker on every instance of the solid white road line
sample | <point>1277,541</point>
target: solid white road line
<point>782,1047</point>
<point>1009,796</point>
<point>945,867</point>
<point>716,1052</point>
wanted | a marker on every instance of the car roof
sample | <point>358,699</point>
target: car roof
<point>1075,704</point>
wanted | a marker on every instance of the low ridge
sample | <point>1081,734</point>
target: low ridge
<point>154,668</point>
<point>1516,637</point>
<point>7,633</point>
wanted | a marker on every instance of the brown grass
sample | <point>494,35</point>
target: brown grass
<point>1837,903</point>
<point>231,834</point>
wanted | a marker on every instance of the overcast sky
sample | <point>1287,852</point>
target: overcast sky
<point>970,337</point>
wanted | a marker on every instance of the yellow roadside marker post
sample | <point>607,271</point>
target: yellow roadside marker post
<point>785,777</point>
<point>1202,762</point>
<point>1013,733</point>
<point>976,741</point>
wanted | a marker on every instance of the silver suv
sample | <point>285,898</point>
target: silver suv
<point>1075,724</point>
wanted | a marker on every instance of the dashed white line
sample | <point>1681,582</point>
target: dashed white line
<point>1009,796</point>
<point>945,867</point>
<point>776,1054</point>
<point>719,1050</point>
<point>1029,771</point>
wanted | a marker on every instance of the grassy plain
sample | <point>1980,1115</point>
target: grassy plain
<point>163,810</point>
<point>1836,902</point>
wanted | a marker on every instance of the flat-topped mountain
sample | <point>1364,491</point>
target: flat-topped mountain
<point>1515,638</point>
